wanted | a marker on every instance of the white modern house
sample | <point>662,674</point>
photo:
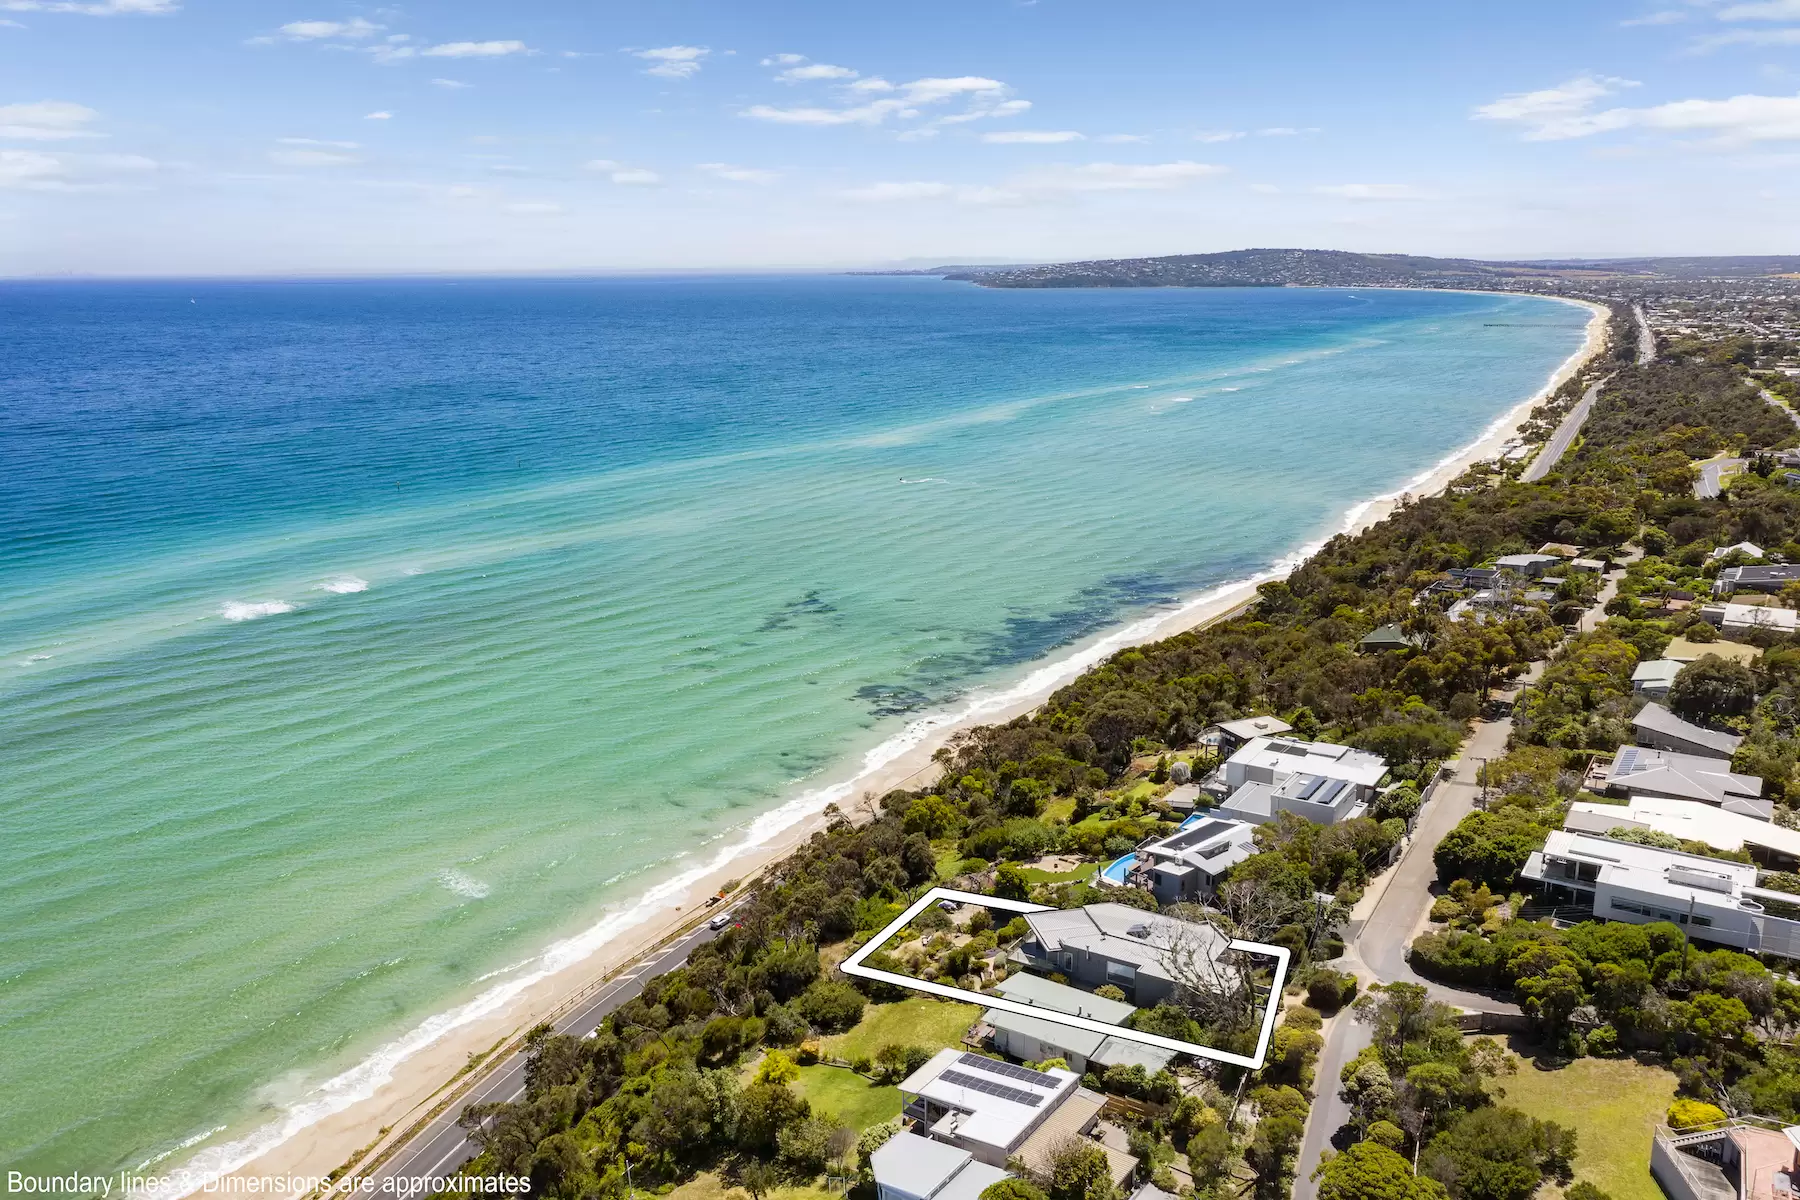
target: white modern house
<point>1035,1039</point>
<point>1321,781</point>
<point>1190,863</point>
<point>1638,771</point>
<point>998,1112</point>
<point>1529,565</point>
<point>1770,844</point>
<point>1746,618</point>
<point>1714,900</point>
<point>1657,728</point>
<point>910,1167</point>
<point>1229,736</point>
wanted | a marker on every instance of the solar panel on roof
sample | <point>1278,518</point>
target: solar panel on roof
<point>988,1087</point>
<point>1007,1069</point>
<point>1312,785</point>
<point>1330,794</point>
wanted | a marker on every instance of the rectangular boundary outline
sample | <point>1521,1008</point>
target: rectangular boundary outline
<point>853,966</point>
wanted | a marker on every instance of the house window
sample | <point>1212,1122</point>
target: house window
<point>1120,973</point>
<point>1627,906</point>
<point>1703,920</point>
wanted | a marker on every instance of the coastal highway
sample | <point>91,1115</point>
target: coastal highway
<point>1564,437</point>
<point>439,1146</point>
<point>1646,353</point>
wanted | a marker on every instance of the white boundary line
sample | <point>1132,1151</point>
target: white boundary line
<point>854,966</point>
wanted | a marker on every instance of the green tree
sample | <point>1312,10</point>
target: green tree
<point>1081,1171</point>
<point>1369,1171</point>
<point>1012,1188</point>
<point>1010,883</point>
<point>933,816</point>
<point>1711,687</point>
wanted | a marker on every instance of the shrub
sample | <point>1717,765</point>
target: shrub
<point>831,1006</point>
<point>1692,1114</point>
<point>1386,1133</point>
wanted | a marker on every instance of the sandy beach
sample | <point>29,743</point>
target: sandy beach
<point>368,1108</point>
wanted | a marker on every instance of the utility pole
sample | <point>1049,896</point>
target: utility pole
<point>1685,937</point>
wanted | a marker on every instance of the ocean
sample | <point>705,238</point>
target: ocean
<point>359,640</point>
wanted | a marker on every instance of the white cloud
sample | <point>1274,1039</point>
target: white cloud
<point>46,121</point>
<point>309,31</point>
<point>815,71</point>
<point>1372,191</point>
<point>674,62</point>
<point>382,115</point>
<point>97,8</point>
<point>1748,37</point>
<point>1220,135</point>
<point>1032,137</point>
<point>783,60</point>
<point>1765,10</point>
<point>866,114</point>
<point>1667,16</point>
<point>310,158</point>
<point>984,98</point>
<point>1117,139</point>
<point>306,141</point>
<point>476,49</point>
<point>1568,113</point>
<point>452,84</point>
<point>1285,131</point>
<point>917,189</point>
<point>621,174</point>
<point>37,170</point>
<point>1266,189</point>
<point>1118,177</point>
<point>534,208</point>
<point>923,133</point>
<point>1553,113</point>
<point>739,174</point>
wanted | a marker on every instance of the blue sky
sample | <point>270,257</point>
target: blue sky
<point>276,136</point>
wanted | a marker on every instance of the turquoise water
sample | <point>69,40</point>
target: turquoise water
<point>360,640</point>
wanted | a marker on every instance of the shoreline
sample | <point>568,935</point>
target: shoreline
<point>406,1077</point>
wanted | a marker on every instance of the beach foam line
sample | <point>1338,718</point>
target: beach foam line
<point>363,1080</point>
<point>342,585</point>
<point>250,610</point>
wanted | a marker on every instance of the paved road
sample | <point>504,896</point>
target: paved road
<point>1646,340</point>
<point>1711,480</point>
<point>1564,437</point>
<point>440,1146</point>
<point>1343,1042</point>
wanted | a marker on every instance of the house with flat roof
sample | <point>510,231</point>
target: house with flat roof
<point>1638,771</point>
<point>1755,579</point>
<point>910,1167</point>
<point>1228,736</point>
<point>1189,863</point>
<point>1099,944</point>
<point>1771,845</point>
<point>1655,677</point>
<point>1715,900</point>
<point>1684,651</point>
<point>1035,1039</point>
<point>1743,1159</point>
<point>1000,1113</point>
<point>1529,565</point>
<point>1659,729</point>
<point>1745,618</point>
<point>1323,782</point>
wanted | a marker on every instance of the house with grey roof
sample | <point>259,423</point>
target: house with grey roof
<point>1228,736</point>
<point>1755,579</point>
<point>1654,678</point>
<point>1657,728</point>
<point>1034,1039</point>
<point>1320,781</point>
<point>910,1167</point>
<point>1137,952</point>
<point>1638,771</point>
<point>1529,565</point>
<point>1190,863</point>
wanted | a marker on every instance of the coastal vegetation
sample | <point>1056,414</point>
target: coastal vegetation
<point>757,1065</point>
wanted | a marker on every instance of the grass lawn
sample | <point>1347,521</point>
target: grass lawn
<point>842,1093</point>
<point>709,1186</point>
<point>914,1021</point>
<point>1039,875</point>
<point>1058,810</point>
<point>1613,1104</point>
